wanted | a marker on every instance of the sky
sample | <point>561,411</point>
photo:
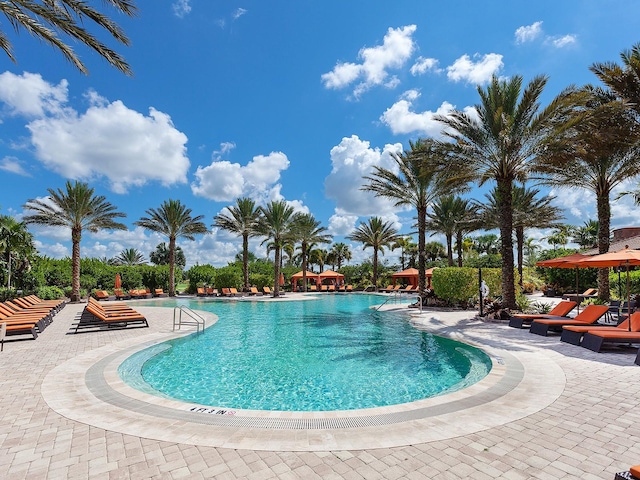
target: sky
<point>279,100</point>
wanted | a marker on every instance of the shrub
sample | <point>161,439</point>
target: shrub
<point>200,275</point>
<point>50,293</point>
<point>260,280</point>
<point>228,276</point>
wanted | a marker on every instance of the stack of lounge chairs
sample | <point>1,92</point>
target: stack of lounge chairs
<point>28,315</point>
<point>98,316</point>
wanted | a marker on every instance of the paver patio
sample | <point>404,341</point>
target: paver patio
<point>587,429</point>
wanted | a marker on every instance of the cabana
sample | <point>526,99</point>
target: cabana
<point>312,279</point>
<point>411,274</point>
<point>334,278</point>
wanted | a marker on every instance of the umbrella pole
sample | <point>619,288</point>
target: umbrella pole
<point>578,299</point>
<point>628,298</point>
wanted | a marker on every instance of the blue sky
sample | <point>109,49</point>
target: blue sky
<point>278,100</point>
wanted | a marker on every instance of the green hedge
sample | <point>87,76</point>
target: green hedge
<point>460,285</point>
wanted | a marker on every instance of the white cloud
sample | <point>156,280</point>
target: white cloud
<point>341,224</point>
<point>13,165</point>
<point>30,95</point>
<point>113,141</point>
<point>528,33</point>
<point>239,12</point>
<point>478,72</point>
<point>108,140</point>
<point>563,41</point>
<point>181,8</point>
<point>397,48</point>
<point>402,120</point>
<point>224,181</point>
<point>352,159</point>
<point>424,65</point>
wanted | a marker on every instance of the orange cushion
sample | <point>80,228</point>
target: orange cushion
<point>635,471</point>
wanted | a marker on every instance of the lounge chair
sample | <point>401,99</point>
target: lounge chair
<point>595,340</point>
<point>312,288</point>
<point>268,291</point>
<point>331,288</point>
<point>561,310</point>
<point>101,294</point>
<point>409,289</point>
<point>589,316</point>
<point>201,292</point>
<point>573,333</point>
<point>578,297</point>
<point>324,288</point>
<point>95,316</point>
<point>234,292</point>
<point>159,292</point>
<point>387,290</point>
<point>349,288</point>
<point>632,474</point>
<point>20,329</point>
<point>212,292</point>
<point>120,294</point>
<point>254,291</point>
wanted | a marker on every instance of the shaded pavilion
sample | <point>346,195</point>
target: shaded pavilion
<point>334,278</point>
<point>411,276</point>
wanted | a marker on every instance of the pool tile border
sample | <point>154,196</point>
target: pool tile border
<point>88,389</point>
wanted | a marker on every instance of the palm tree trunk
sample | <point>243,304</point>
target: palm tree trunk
<point>276,276</point>
<point>422,254</point>
<point>604,219</point>
<point>375,269</point>
<point>506,238</point>
<point>172,266</point>
<point>520,246</point>
<point>449,250</point>
<point>459,247</point>
<point>8,268</point>
<point>304,266</point>
<point>245,260</point>
<point>76,236</point>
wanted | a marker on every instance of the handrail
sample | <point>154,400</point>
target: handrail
<point>196,319</point>
<point>394,297</point>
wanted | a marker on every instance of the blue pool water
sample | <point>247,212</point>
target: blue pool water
<point>334,353</point>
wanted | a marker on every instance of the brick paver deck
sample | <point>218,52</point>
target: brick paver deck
<point>589,430</point>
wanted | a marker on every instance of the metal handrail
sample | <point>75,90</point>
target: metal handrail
<point>196,319</point>
<point>394,297</point>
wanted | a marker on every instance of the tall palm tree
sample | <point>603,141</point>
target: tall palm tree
<point>529,211</point>
<point>16,242</point>
<point>276,223</point>
<point>130,256</point>
<point>45,19</point>
<point>420,178</point>
<point>510,130</point>
<point>318,256</point>
<point>174,220</point>
<point>308,231</point>
<point>434,251</point>
<point>598,154</point>
<point>623,79</point>
<point>468,221</point>
<point>241,219</point>
<point>78,209</point>
<point>340,252</point>
<point>377,235</point>
<point>443,218</point>
<point>402,243</point>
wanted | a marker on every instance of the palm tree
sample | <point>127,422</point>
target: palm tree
<point>241,219</point>
<point>377,235</point>
<point>559,236</point>
<point>623,79</point>
<point>130,256</point>
<point>174,220</point>
<point>510,130</point>
<point>340,252</point>
<point>161,256</point>
<point>402,243</point>
<point>467,221</point>
<point>528,212</point>
<point>530,248</point>
<point>586,235</point>
<point>307,231</point>
<point>78,209</point>
<point>443,219</point>
<point>318,256</point>
<point>418,181</point>
<point>488,244</point>
<point>15,242</point>
<point>599,153</point>
<point>276,223</point>
<point>434,251</point>
<point>44,19</point>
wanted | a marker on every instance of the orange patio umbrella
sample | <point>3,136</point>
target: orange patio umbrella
<point>623,258</point>
<point>118,282</point>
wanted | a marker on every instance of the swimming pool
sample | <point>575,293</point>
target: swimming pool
<point>333,353</point>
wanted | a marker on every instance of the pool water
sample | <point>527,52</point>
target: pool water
<point>334,353</point>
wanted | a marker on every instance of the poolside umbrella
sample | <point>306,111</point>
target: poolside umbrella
<point>569,261</point>
<point>622,258</point>
<point>118,282</point>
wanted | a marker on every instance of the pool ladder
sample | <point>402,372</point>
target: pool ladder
<point>194,318</point>
<point>395,297</point>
